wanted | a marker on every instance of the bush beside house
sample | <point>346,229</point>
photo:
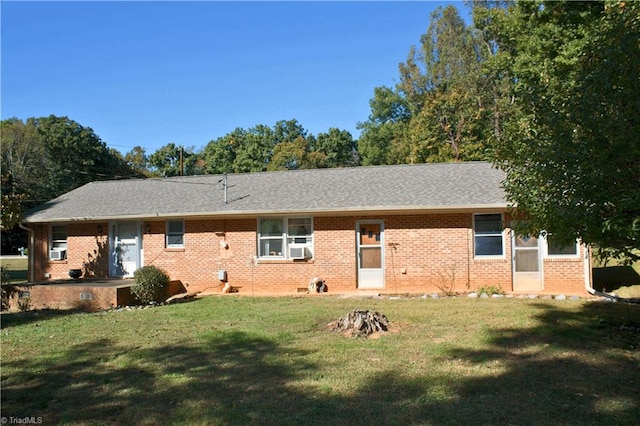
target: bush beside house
<point>151,284</point>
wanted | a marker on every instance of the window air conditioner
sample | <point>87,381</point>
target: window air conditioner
<point>297,252</point>
<point>59,254</point>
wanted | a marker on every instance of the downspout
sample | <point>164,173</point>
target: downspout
<point>589,287</point>
<point>31,253</point>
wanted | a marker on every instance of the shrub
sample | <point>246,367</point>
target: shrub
<point>491,290</point>
<point>447,274</point>
<point>151,284</point>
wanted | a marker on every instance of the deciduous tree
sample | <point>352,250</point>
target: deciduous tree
<point>337,146</point>
<point>175,160</point>
<point>571,145</point>
<point>44,157</point>
<point>137,159</point>
<point>386,126</point>
<point>438,110</point>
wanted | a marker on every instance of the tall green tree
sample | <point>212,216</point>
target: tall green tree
<point>175,160</point>
<point>44,157</point>
<point>48,156</point>
<point>253,151</point>
<point>490,18</point>
<point>137,159</point>
<point>439,109</point>
<point>387,126</point>
<point>288,131</point>
<point>11,203</point>
<point>25,161</point>
<point>77,154</point>
<point>337,146</point>
<point>290,155</point>
<point>571,145</point>
<point>449,108</point>
<point>289,147</point>
<point>285,146</point>
<point>220,154</point>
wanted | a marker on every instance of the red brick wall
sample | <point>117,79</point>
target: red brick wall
<point>427,253</point>
<point>423,253</point>
<point>69,297</point>
<point>87,249</point>
<point>564,274</point>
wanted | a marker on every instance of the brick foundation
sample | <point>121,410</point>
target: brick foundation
<point>60,296</point>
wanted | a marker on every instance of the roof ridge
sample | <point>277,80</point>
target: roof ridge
<point>273,172</point>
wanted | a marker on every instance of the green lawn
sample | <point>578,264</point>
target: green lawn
<point>17,268</point>
<point>269,361</point>
<point>615,278</point>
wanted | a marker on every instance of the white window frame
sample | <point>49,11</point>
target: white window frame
<point>489,235</point>
<point>286,239</point>
<point>549,255</point>
<point>58,243</point>
<point>169,234</point>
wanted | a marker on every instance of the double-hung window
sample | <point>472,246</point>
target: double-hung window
<point>285,238</point>
<point>488,235</point>
<point>175,234</point>
<point>58,242</point>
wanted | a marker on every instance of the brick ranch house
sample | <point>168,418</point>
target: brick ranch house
<point>389,229</point>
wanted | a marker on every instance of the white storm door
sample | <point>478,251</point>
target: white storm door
<point>126,253</point>
<point>370,247</point>
<point>527,265</point>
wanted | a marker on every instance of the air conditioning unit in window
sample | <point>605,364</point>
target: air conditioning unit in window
<point>59,254</point>
<point>297,252</point>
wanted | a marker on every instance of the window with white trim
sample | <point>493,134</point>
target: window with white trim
<point>555,249</point>
<point>175,234</point>
<point>488,235</point>
<point>58,242</point>
<point>285,238</point>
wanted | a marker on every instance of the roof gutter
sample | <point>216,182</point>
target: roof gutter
<point>359,210</point>
<point>31,254</point>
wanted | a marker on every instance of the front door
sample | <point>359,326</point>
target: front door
<point>125,256</point>
<point>527,268</point>
<point>370,254</point>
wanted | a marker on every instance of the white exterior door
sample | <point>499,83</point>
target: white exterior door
<point>370,253</point>
<point>527,264</point>
<point>125,256</point>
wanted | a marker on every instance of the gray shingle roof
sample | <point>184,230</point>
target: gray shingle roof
<point>376,189</point>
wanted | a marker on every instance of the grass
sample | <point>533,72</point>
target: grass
<point>270,361</point>
<point>615,278</point>
<point>17,268</point>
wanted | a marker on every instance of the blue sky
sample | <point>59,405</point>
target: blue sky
<point>150,73</point>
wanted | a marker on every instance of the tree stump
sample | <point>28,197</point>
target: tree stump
<point>360,323</point>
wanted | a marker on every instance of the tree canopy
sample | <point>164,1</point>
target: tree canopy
<point>285,146</point>
<point>571,143</point>
<point>439,110</point>
<point>48,156</point>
